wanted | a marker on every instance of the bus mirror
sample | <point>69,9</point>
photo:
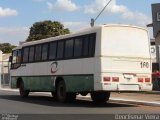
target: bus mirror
<point>10,58</point>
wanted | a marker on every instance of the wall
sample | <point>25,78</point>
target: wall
<point>157,39</point>
<point>0,66</point>
<point>156,18</point>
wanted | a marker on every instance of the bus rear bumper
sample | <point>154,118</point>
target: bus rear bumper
<point>146,87</point>
<point>125,87</point>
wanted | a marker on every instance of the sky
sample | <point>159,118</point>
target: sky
<point>17,16</point>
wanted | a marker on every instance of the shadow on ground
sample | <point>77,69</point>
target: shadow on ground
<point>50,101</point>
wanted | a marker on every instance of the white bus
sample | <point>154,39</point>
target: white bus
<point>97,60</point>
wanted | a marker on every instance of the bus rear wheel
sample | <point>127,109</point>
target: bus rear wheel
<point>100,97</point>
<point>62,95</point>
<point>23,93</point>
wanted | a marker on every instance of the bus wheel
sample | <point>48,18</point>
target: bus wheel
<point>23,93</point>
<point>100,97</point>
<point>62,95</point>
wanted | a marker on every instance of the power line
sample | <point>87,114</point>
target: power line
<point>93,20</point>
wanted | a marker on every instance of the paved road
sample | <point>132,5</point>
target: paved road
<point>10,102</point>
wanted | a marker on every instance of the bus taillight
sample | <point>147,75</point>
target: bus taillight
<point>106,79</point>
<point>148,80</point>
<point>140,80</point>
<point>115,79</point>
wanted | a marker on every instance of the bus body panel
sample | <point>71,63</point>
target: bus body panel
<point>77,74</point>
<point>125,55</point>
<point>74,83</point>
<point>64,67</point>
<point>125,41</point>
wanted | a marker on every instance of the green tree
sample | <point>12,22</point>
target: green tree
<point>6,47</point>
<point>46,29</point>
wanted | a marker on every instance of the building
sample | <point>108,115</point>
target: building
<point>156,33</point>
<point>0,66</point>
<point>156,48</point>
<point>4,69</point>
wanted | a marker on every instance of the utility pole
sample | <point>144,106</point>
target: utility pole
<point>93,20</point>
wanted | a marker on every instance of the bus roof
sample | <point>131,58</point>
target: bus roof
<point>81,32</point>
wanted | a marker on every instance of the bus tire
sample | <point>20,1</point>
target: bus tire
<point>62,95</point>
<point>100,97</point>
<point>23,93</point>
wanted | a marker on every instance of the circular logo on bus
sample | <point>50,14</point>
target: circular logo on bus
<point>54,68</point>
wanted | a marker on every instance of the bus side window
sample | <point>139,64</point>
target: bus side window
<point>31,54</point>
<point>38,53</point>
<point>25,54</point>
<point>78,47</point>
<point>92,45</point>
<point>52,50</point>
<point>14,58</point>
<point>85,46</point>
<point>60,50</point>
<point>69,48</point>
<point>19,57</point>
<point>44,52</point>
